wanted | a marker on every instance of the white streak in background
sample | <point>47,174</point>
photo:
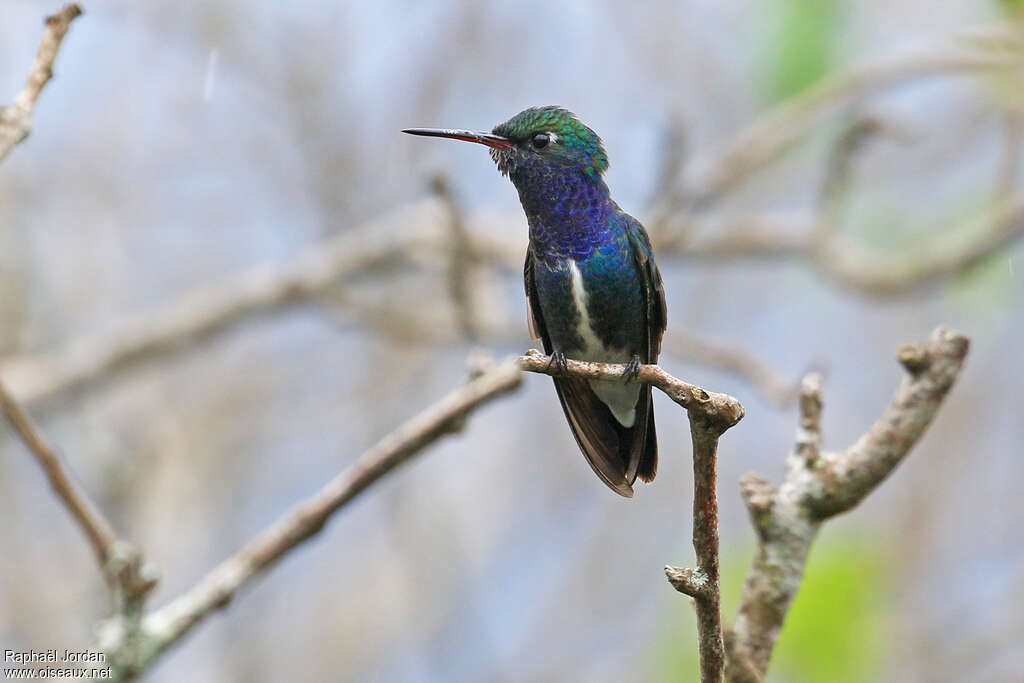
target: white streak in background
<point>211,75</point>
<point>1009,264</point>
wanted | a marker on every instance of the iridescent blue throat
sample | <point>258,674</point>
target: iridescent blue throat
<point>569,211</point>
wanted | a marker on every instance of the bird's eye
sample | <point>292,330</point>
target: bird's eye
<point>540,140</point>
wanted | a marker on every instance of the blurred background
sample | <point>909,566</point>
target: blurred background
<point>182,145</point>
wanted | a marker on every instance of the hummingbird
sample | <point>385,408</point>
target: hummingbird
<point>593,290</point>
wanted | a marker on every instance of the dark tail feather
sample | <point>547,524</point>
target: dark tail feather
<point>648,467</point>
<point>617,454</point>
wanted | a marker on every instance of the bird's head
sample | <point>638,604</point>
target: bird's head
<point>539,138</point>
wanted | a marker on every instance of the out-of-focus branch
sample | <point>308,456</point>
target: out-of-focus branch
<point>421,234</point>
<point>93,524</point>
<point>820,485</point>
<point>869,273</point>
<point>408,323</point>
<point>738,362</point>
<point>768,136</point>
<point>16,119</point>
<point>128,576</point>
<point>839,165</point>
<point>462,261</point>
<point>711,414</point>
<point>1008,172</point>
<point>205,311</point>
<point>166,626</point>
<point>668,199</point>
<point>862,270</point>
<point>417,233</point>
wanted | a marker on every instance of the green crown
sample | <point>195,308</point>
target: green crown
<point>576,138</point>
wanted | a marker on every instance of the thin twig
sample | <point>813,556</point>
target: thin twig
<point>168,625</point>
<point>129,577</point>
<point>821,485</point>
<point>16,119</point>
<point>711,414</point>
<point>708,599</point>
<point>720,410</point>
<point>93,524</point>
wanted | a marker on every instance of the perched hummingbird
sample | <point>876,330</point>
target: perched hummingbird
<point>593,291</point>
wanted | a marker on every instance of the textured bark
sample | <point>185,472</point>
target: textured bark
<point>821,485</point>
<point>710,414</point>
<point>134,651</point>
<point>16,119</point>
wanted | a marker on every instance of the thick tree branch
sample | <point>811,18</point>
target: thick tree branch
<point>166,626</point>
<point>16,119</point>
<point>820,485</point>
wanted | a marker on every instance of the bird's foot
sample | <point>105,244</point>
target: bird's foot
<point>632,368</point>
<point>558,361</point>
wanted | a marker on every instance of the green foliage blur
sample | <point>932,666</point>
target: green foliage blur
<point>1012,7</point>
<point>800,46</point>
<point>837,629</point>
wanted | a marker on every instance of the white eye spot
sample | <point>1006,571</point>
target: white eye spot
<point>552,138</point>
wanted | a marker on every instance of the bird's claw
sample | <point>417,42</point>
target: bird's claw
<point>559,361</point>
<point>632,368</point>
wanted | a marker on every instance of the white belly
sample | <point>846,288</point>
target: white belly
<point>620,396</point>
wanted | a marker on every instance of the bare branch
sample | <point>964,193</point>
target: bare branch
<point>461,262</point>
<point>847,478</point>
<point>738,668</point>
<point>766,138</point>
<point>688,581</point>
<point>128,576</point>
<point>166,626</point>
<point>710,414</point>
<point>839,165</point>
<point>819,486</point>
<point>16,119</point>
<point>418,232</point>
<point>865,271</point>
<point>738,362</point>
<point>854,267</point>
<point>808,437</point>
<point>1008,173</point>
<point>721,411</point>
<point>708,598</point>
<point>668,197</point>
<point>213,308</point>
<point>89,518</point>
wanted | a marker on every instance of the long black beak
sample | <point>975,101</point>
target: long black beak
<point>489,139</point>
